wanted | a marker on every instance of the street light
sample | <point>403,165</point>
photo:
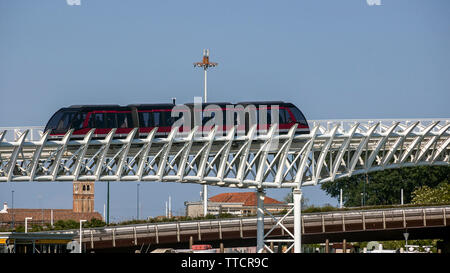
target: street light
<point>81,234</point>
<point>205,64</point>
<point>137,202</point>
<point>406,235</point>
<point>12,204</point>
<point>26,223</point>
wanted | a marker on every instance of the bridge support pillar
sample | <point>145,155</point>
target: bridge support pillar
<point>260,194</point>
<point>297,194</point>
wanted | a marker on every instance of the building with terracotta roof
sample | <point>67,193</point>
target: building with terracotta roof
<point>83,208</point>
<point>237,203</point>
<point>43,216</point>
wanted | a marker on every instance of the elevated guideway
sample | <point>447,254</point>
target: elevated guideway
<point>333,149</point>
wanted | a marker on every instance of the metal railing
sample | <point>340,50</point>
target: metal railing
<point>322,219</point>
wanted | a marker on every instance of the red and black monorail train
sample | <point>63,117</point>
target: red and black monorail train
<point>82,118</point>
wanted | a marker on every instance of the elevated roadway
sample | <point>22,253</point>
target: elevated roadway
<point>353,225</point>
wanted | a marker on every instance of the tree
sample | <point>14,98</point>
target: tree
<point>427,195</point>
<point>384,187</point>
<point>289,198</point>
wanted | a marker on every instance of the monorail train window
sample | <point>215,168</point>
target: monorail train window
<point>110,120</point>
<point>167,119</point>
<point>267,120</point>
<point>283,116</point>
<point>298,115</point>
<point>103,120</point>
<point>124,120</point>
<point>53,123</point>
<point>236,119</point>
<point>210,116</point>
<point>77,122</point>
<point>146,119</point>
<point>64,122</point>
<point>156,119</point>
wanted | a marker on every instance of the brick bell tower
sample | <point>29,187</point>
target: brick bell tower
<point>83,196</point>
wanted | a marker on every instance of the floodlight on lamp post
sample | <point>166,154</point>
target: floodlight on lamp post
<point>26,223</point>
<point>81,233</point>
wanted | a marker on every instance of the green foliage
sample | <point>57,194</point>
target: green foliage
<point>401,244</point>
<point>20,229</point>
<point>383,187</point>
<point>68,224</point>
<point>72,224</point>
<point>397,244</point>
<point>174,219</point>
<point>427,195</point>
<point>131,222</point>
<point>324,208</point>
<point>94,223</point>
<point>289,198</point>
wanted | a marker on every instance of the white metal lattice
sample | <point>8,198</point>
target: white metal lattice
<point>333,149</point>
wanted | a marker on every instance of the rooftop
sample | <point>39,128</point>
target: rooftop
<point>246,198</point>
<point>45,215</point>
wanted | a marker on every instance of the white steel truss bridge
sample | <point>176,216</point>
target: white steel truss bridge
<point>333,149</point>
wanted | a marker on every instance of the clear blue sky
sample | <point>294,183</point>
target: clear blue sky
<point>333,59</point>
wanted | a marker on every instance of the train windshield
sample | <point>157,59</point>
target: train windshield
<point>60,121</point>
<point>298,115</point>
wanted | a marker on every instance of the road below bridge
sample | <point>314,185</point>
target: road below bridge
<point>335,226</point>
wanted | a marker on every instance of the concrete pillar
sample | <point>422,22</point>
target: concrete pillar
<point>297,193</point>
<point>344,246</point>
<point>205,198</point>
<point>222,249</point>
<point>191,242</point>
<point>260,221</point>
<point>327,246</point>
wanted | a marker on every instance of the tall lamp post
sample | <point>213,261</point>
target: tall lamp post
<point>137,203</point>
<point>205,64</point>
<point>81,234</point>
<point>107,203</point>
<point>12,204</point>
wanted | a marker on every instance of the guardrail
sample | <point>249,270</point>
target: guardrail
<point>14,133</point>
<point>319,221</point>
